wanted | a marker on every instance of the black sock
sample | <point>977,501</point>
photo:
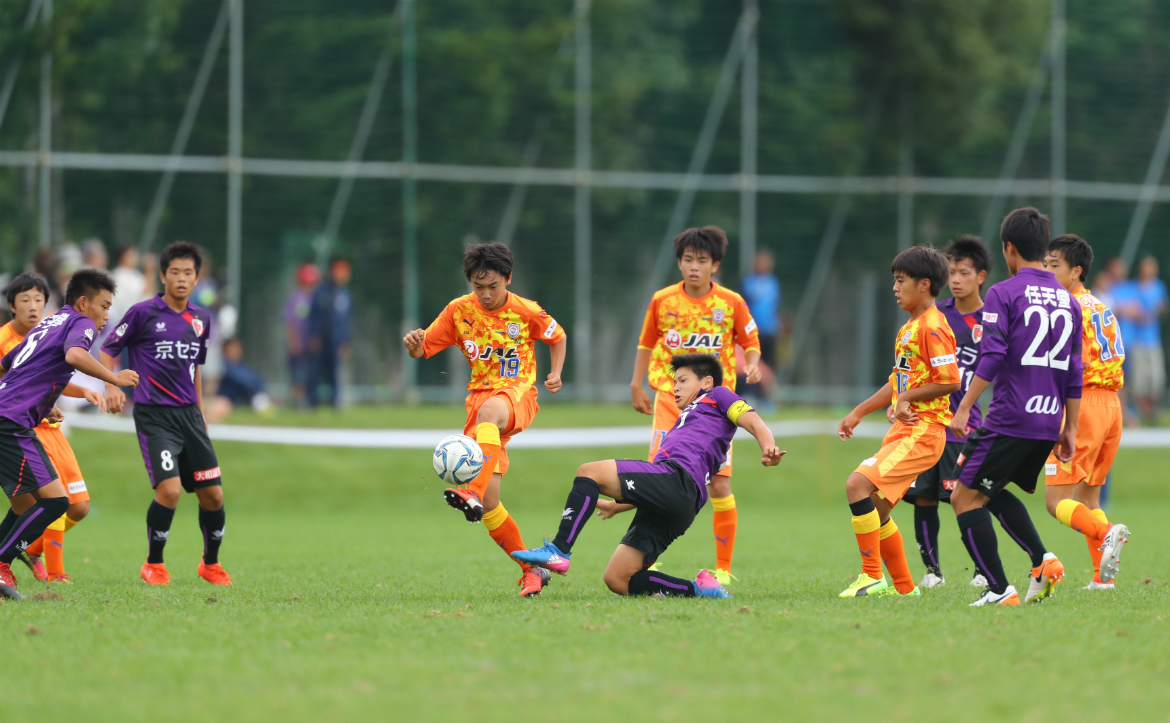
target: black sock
<point>31,525</point>
<point>578,509</point>
<point>212,524</point>
<point>976,528</point>
<point>1016,521</point>
<point>645,582</point>
<point>926,533</point>
<point>971,554</point>
<point>158,527</point>
<point>6,525</point>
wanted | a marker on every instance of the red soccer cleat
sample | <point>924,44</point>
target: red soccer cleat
<point>214,574</point>
<point>466,501</point>
<point>533,581</point>
<point>155,573</point>
<point>8,583</point>
<point>62,578</point>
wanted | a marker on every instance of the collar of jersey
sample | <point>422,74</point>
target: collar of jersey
<point>682,290</point>
<point>1038,272</point>
<point>503,306</point>
<point>158,301</point>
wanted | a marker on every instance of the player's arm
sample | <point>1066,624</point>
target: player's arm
<point>81,360</point>
<point>608,508</point>
<point>77,391</point>
<point>199,389</point>
<point>963,413</point>
<point>115,397</point>
<point>751,365</point>
<point>638,395</point>
<point>414,342</point>
<point>930,390</point>
<point>557,353</point>
<point>435,338</point>
<point>745,417</point>
<point>991,359</point>
<point>879,399</point>
<point>747,335</point>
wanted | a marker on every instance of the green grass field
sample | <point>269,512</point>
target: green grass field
<point>360,596</point>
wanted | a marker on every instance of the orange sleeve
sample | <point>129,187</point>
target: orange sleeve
<point>939,349</point>
<point>649,338</point>
<point>542,326</point>
<point>747,334</point>
<point>441,333</point>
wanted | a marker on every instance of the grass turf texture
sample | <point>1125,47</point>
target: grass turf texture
<point>360,595</point>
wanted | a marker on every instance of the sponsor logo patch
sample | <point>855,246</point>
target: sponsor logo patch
<point>471,348</point>
<point>870,462</point>
<point>160,326</point>
<point>1050,470</point>
<point>206,474</point>
<point>76,487</point>
<point>750,327</point>
<point>942,361</point>
<point>552,327</point>
<point>962,458</point>
<point>949,484</point>
<point>990,317</point>
<point>673,339</point>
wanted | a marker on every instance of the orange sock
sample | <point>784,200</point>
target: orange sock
<point>505,532</point>
<point>1080,518</point>
<point>488,437</point>
<point>894,555</point>
<point>37,548</point>
<point>867,528</point>
<point>54,552</point>
<point>725,521</point>
<point>1095,545</point>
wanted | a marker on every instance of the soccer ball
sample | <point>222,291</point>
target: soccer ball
<point>458,459</point>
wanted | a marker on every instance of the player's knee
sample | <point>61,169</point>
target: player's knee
<point>589,469</point>
<point>617,582</point>
<point>857,486</point>
<point>167,495</point>
<point>78,511</point>
<point>494,412</point>
<point>210,498</point>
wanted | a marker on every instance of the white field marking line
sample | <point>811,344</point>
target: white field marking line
<point>563,438</point>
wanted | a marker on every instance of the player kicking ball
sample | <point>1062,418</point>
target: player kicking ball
<point>667,492</point>
<point>925,373</point>
<point>1032,351</point>
<point>32,376</point>
<point>167,341</point>
<point>497,332</point>
<point>1073,489</point>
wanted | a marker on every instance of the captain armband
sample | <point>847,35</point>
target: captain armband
<point>737,410</point>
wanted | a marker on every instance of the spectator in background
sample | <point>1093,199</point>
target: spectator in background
<point>131,282</point>
<point>761,291</point>
<point>1142,304</point>
<point>94,254</point>
<point>240,385</point>
<point>330,319</point>
<point>46,264</point>
<point>296,330</point>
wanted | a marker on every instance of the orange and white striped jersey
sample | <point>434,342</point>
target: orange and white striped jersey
<point>499,345</point>
<point>924,353</point>
<point>1102,351</point>
<point>713,324</point>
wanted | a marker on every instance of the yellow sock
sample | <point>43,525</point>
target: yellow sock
<point>488,437</point>
<point>1080,518</point>
<point>869,543</point>
<point>70,523</point>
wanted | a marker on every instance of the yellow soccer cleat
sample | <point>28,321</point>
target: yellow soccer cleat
<point>865,585</point>
<point>892,591</point>
<point>724,577</point>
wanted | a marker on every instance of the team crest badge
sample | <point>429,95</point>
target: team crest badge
<point>198,325</point>
<point>89,334</point>
<point>717,315</point>
<point>121,329</point>
<point>513,330</point>
<point>977,333</point>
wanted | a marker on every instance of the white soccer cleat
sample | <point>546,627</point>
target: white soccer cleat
<point>1111,551</point>
<point>1094,585</point>
<point>1007,597</point>
<point>978,581</point>
<point>930,580</point>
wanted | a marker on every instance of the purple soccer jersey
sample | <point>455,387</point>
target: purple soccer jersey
<point>701,438</point>
<point>968,331</point>
<point>165,347</point>
<point>36,368</point>
<point>1032,353</point>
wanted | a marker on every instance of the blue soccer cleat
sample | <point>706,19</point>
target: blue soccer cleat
<point>707,586</point>
<point>546,556</point>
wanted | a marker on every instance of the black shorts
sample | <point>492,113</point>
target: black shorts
<point>174,443</point>
<point>937,482</point>
<point>24,464</point>
<point>667,500</point>
<point>990,460</point>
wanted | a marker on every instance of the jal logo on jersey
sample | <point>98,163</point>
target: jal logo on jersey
<point>470,348</point>
<point>977,333</point>
<point>702,341</point>
<point>673,339</point>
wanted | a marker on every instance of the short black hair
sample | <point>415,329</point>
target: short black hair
<point>1028,230</point>
<point>481,259</point>
<point>710,240</point>
<point>923,262</point>
<point>27,282</point>
<point>970,247</point>
<point>180,250</point>
<point>703,365</point>
<point>89,283</point>
<point>1075,251</point>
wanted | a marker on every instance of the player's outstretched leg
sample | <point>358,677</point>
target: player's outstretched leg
<point>53,545</point>
<point>27,527</point>
<point>492,413</point>
<point>627,574</point>
<point>926,528</point>
<point>1013,516</point>
<point>979,536</point>
<point>725,522</point>
<point>867,527</point>
<point>579,507</point>
<point>1111,537</point>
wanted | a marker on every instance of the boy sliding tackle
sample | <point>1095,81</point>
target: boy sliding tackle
<point>667,492</point>
<point>925,373</point>
<point>497,332</point>
<point>1073,488</point>
<point>695,315</point>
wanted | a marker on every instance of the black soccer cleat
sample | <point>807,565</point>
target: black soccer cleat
<point>466,502</point>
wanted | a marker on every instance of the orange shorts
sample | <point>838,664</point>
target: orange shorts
<point>522,409</point>
<point>906,453</point>
<point>1098,437</point>
<point>61,454</point>
<point>665,415</point>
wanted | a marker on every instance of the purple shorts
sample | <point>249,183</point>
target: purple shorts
<point>24,464</point>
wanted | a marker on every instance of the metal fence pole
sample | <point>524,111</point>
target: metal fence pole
<point>1059,111</point>
<point>749,139</point>
<point>34,9</point>
<point>1141,212</point>
<point>905,169</point>
<point>583,237</point>
<point>410,301</point>
<point>46,135</point>
<point>235,150</point>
